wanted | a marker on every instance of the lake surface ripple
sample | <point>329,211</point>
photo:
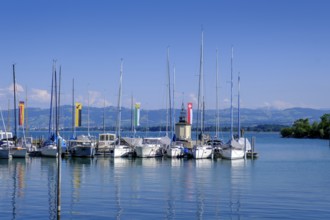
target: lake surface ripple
<point>290,180</point>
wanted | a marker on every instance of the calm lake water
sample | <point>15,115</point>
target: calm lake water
<point>290,180</point>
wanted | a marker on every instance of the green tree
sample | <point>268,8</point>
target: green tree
<point>324,126</point>
<point>314,131</point>
<point>286,132</point>
<point>301,128</point>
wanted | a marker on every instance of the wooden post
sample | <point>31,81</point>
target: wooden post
<point>252,147</point>
<point>244,148</point>
<point>59,161</point>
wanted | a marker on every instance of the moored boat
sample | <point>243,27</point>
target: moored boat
<point>105,142</point>
<point>202,151</point>
<point>152,147</point>
<point>5,144</point>
<point>120,150</point>
<point>82,146</point>
<point>49,148</point>
<point>18,152</point>
<point>4,152</point>
<point>175,149</point>
<point>232,150</point>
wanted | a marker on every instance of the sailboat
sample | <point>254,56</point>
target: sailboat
<point>233,149</point>
<point>81,145</point>
<point>5,145</point>
<point>175,149</point>
<point>106,140</point>
<point>17,151</point>
<point>119,149</point>
<point>243,141</point>
<point>132,141</point>
<point>201,150</point>
<point>4,141</point>
<point>49,148</point>
<point>152,146</point>
<point>216,142</point>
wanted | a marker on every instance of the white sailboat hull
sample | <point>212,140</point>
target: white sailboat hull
<point>18,152</point>
<point>148,151</point>
<point>175,151</point>
<point>49,151</point>
<point>121,151</point>
<point>233,150</point>
<point>232,153</point>
<point>202,152</point>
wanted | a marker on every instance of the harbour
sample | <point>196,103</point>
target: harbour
<point>289,181</point>
<point>164,110</point>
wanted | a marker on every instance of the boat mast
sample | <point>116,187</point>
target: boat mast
<point>132,117</point>
<point>119,100</point>
<point>56,110</point>
<point>88,116</point>
<point>239,108</point>
<point>26,113</point>
<point>168,104</point>
<point>55,100</point>
<point>217,99</point>
<point>59,100</point>
<point>200,91</point>
<point>51,101</point>
<point>173,119</point>
<point>231,93</point>
<point>104,116</point>
<point>15,113</point>
<point>202,86</point>
<point>8,116</point>
<point>73,112</point>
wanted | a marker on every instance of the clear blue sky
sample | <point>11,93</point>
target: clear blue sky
<point>281,49</point>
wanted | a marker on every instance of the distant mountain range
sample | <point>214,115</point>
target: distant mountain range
<point>39,118</point>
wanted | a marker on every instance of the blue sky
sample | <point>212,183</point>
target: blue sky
<point>281,49</point>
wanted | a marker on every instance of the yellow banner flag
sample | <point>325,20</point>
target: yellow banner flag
<point>21,113</point>
<point>78,114</point>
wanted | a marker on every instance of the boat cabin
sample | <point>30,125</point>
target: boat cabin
<point>106,139</point>
<point>5,135</point>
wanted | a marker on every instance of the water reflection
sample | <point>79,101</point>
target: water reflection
<point>149,162</point>
<point>176,162</point>
<point>49,166</point>
<point>17,168</point>
<point>203,179</point>
<point>175,187</point>
<point>156,188</point>
<point>79,169</point>
<point>171,185</point>
<point>236,185</point>
<point>120,166</point>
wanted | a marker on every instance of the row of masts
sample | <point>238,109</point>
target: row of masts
<point>170,108</point>
<point>201,98</point>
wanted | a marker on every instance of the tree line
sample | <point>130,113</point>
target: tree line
<point>302,128</point>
